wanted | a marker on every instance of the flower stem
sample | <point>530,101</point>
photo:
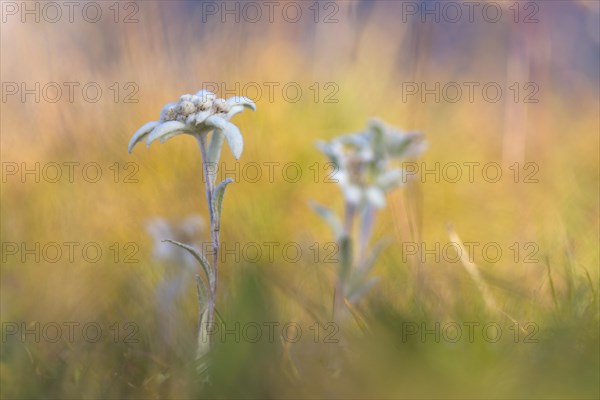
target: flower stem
<point>214,233</point>
<point>366,229</point>
<point>338,301</point>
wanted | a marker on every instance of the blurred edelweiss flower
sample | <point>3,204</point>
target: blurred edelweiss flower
<point>186,230</point>
<point>364,161</point>
<point>195,115</point>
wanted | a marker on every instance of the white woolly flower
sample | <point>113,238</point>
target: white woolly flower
<point>363,161</point>
<point>195,115</point>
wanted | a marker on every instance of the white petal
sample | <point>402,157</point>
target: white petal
<point>206,95</point>
<point>235,140</point>
<point>214,148</point>
<point>340,176</point>
<point>139,135</point>
<point>201,116</point>
<point>376,197</point>
<point>241,101</point>
<point>353,194</point>
<point>216,121</point>
<point>231,132</point>
<point>165,109</point>
<point>390,179</point>
<point>234,110</point>
<point>166,130</point>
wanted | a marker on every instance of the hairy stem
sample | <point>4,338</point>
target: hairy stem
<point>214,232</point>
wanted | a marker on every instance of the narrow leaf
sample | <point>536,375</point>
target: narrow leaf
<point>332,220</point>
<point>203,344</point>
<point>197,255</point>
<point>202,293</point>
<point>217,199</point>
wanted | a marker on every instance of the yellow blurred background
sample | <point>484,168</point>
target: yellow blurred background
<point>357,61</point>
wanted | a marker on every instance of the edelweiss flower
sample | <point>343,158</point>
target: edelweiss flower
<point>186,230</point>
<point>363,161</point>
<point>195,115</point>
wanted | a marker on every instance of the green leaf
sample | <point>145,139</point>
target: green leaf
<point>217,199</point>
<point>198,256</point>
<point>332,220</point>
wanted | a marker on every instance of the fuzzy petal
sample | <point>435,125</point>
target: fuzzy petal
<point>191,119</point>
<point>238,103</point>
<point>166,130</point>
<point>206,95</point>
<point>235,140</point>
<point>202,116</point>
<point>216,122</point>
<point>375,197</point>
<point>353,194</point>
<point>391,179</point>
<point>141,133</point>
<point>231,132</point>
<point>165,109</point>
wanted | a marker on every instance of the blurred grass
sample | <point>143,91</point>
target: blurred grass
<point>168,53</point>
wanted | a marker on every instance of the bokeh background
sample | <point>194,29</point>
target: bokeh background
<point>362,59</point>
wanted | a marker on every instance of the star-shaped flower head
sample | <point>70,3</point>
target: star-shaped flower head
<point>195,115</point>
<point>364,161</point>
